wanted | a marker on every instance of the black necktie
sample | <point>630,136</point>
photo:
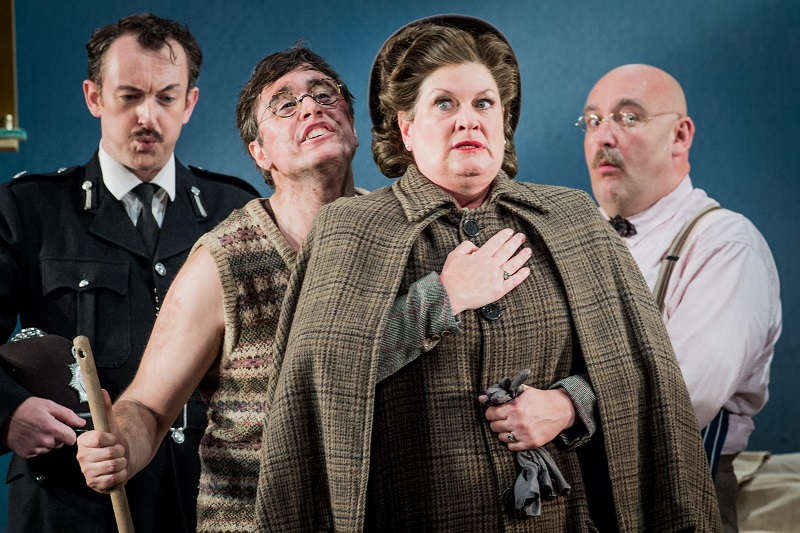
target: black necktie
<point>623,227</point>
<point>146,223</point>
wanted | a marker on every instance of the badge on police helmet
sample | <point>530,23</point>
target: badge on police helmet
<point>46,366</point>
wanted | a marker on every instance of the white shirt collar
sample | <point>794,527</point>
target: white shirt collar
<point>658,213</point>
<point>120,181</point>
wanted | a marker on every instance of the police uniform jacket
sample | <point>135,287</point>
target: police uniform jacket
<point>72,263</point>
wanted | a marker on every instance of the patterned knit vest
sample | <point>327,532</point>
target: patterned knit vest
<point>251,257</point>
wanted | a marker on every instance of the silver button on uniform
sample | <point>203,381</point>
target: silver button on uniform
<point>161,270</point>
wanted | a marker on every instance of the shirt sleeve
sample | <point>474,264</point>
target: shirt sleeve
<point>417,322</point>
<point>583,399</point>
<point>720,317</point>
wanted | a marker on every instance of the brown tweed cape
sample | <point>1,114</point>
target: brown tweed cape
<point>315,460</point>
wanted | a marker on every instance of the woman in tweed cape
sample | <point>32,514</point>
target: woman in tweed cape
<point>415,453</point>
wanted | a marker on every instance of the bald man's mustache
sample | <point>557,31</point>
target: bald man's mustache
<point>147,132</point>
<point>610,155</point>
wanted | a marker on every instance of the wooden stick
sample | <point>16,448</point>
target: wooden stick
<point>100,419</point>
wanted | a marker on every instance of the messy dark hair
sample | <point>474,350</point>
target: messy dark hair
<point>267,72</point>
<point>153,33</point>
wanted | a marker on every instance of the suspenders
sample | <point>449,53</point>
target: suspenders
<point>715,432</point>
<point>673,254</point>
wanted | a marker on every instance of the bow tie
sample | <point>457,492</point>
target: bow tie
<point>623,227</point>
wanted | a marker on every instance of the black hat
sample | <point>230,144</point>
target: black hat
<point>473,25</point>
<point>44,365</point>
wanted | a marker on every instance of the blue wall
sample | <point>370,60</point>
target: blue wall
<point>738,61</point>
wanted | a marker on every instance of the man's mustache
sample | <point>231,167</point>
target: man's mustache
<point>610,155</point>
<point>146,132</point>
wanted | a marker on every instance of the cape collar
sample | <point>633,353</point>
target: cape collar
<point>419,196</point>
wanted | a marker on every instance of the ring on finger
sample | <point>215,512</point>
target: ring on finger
<point>510,436</point>
<point>506,275</point>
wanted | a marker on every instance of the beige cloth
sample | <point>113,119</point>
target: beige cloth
<point>769,492</point>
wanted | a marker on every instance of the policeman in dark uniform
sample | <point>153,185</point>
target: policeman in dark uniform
<point>91,250</point>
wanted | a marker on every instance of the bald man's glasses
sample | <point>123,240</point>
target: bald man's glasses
<point>324,92</point>
<point>589,123</point>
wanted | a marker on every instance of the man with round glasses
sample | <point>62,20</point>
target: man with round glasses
<point>721,306</point>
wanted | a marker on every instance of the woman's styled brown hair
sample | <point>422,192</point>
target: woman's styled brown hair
<point>415,52</point>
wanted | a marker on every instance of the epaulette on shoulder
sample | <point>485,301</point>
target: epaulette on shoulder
<point>61,173</point>
<point>203,173</point>
<point>233,180</point>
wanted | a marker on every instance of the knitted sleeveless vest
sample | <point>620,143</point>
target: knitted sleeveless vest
<point>251,258</point>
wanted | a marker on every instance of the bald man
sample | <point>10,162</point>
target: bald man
<point>721,306</point>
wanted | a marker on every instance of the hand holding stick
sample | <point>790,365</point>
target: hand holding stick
<point>100,418</point>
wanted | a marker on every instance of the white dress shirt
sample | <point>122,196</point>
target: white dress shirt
<point>722,306</point>
<point>120,182</point>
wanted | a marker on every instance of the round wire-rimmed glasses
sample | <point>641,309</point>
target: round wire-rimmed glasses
<point>324,91</point>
